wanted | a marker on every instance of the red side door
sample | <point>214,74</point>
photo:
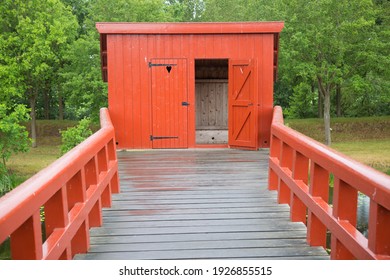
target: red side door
<point>169,103</point>
<point>243,124</point>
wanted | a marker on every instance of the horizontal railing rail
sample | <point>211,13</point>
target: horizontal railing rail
<point>49,215</point>
<point>300,169</point>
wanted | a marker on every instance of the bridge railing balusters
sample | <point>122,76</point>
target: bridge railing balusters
<point>69,195</point>
<point>300,170</point>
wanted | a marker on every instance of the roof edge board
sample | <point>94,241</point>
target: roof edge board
<point>190,28</point>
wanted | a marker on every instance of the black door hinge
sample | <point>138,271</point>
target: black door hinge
<point>185,103</point>
<point>161,64</point>
<point>162,137</point>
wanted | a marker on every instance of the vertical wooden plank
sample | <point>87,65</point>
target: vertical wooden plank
<point>119,96</point>
<point>115,99</point>
<point>276,148</point>
<point>273,180</point>
<point>286,160</point>
<point>188,50</point>
<point>145,94</point>
<point>106,199</point>
<point>76,189</point>
<point>283,193</point>
<point>26,241</point>
<point>91,174</point>
<point>56,212</point>
<point>66,255</point>
<point>379,229</point>
<point>128,91</point>
<point>345,200</point>
<point>339,251</point>
<point>319,187</point>
<point>115,187</point>
<point>80,242</point>
<point>137,96</point>
<point>266,89</point>
<point>300,172</point>
<point>95,215</point>
<point>261,80</point>
<point>111,150</point>
<point>102,160</point>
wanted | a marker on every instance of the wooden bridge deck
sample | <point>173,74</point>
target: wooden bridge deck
<point>197,204</point>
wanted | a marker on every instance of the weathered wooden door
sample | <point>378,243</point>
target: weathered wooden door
<point>243,123</point>
<point>169,103</point>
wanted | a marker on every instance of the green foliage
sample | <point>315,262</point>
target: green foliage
<point>13,139</point>
<point>5,181</point>
<point>49,50</point>
<point>302,102</point>
<point>75,135</point>
<point>13,135</point>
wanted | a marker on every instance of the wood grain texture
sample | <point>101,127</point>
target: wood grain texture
<point>197,204</point>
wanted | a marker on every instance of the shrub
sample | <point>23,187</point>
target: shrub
<point>73,136</point>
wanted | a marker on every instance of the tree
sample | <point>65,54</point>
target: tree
<point>13,135</point>
<point>323,42</point>
<point>34,33</point>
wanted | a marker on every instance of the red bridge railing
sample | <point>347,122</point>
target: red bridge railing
<point>70,194</point>
<point>300,169</point>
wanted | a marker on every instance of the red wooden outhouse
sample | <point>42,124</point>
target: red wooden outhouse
<point>186,85</point>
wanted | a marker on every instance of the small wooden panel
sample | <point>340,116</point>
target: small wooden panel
<point>211,104</point>
<point>197,204</point>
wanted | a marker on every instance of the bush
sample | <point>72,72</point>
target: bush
<point>73,136</point>
<point>13,135</point>
<point>6,183</point>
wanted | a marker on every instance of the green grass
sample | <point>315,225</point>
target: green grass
<point>27,164</point>
<point>344,129</point>
<point>364,139</point>
<point>374,153</point>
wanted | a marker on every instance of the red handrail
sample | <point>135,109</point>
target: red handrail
<point>300,168</point>
<point>70,193</point>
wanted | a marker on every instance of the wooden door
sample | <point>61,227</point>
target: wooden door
<point>243,124</point>
<point>169,103</point>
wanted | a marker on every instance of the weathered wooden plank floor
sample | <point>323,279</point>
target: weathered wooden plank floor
<point>197,204</point>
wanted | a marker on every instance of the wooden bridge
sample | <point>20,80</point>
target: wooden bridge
<point>197,204</point>
<point>189,204</point>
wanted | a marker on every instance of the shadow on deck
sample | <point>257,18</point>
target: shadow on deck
<point>197,204</point>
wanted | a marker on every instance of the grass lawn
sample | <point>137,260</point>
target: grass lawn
<point>364,139</point>
<point>26,165</point>
<point>374,153</point>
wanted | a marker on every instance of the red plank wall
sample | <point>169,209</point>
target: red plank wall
<point>129,76</point>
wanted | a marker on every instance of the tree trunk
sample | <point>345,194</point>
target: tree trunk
<point>47,104</point>
<point>320,104</point>
<point>33,98</point>
<point>338,101</point>
<point>328,141</point>
<point>325,92</point>
<point>60,106</point>
<point>47,99</point>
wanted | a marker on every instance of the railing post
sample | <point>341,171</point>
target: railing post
<point>56,212</point>
<point>318,187</point>
<point>26,241</point>
<point>345,200</point>
<point>285,161</point>
<point>91,181</point>
<point>275,150</point>
<point>300,172</point>
<point>379,229</point>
